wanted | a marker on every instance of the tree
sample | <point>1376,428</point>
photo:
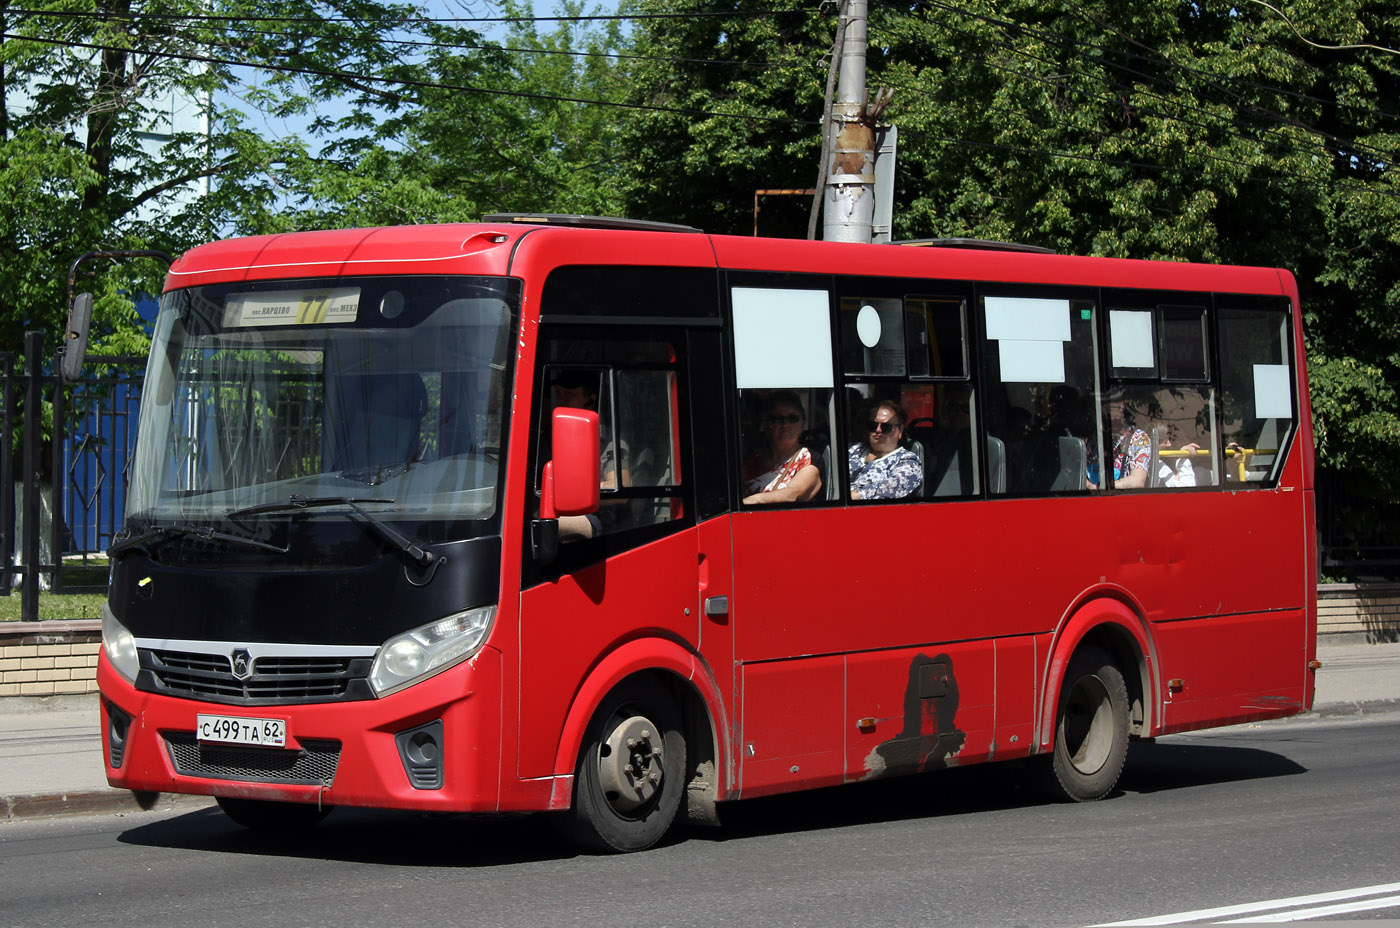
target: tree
<point>85,84</point>
<point>1242,133</point>
<point>515,127</point>
<point>727,100</point>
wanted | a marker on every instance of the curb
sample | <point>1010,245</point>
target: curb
<point>1364,707</point>
<point>93,802</point>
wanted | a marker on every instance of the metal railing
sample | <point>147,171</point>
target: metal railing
<point>80,471</point>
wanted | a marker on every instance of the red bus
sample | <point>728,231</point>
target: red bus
<point>623,521</point>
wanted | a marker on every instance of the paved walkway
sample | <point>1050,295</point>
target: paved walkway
<point>51,752</point>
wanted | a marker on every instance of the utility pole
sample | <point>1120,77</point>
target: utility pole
<point>849,197</point>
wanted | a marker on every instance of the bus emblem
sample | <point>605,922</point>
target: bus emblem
<point>242,664</point>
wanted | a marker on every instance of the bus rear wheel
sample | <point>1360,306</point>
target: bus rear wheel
<point>1091,729</point>
<point>631,772</point>
<point>269,815</point>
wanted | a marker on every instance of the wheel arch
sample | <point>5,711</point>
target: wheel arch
<point>1110,619</point>
<point>688,680</point>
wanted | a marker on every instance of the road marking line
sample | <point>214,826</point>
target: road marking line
<point>1200,915</point>
<point>1319,911</point>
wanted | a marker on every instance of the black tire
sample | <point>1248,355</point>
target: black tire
<point>630,777</point>
<point>268,815</point>
<point>1091,729</point>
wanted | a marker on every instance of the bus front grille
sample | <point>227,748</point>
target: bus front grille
<point>314,764</point>
<point>274,679</point>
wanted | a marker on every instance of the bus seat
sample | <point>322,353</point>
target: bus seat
<point>815,441</point>
<point>996,465</point>
<point>1073,459</point>
<point>918,449</point>
<point>950,481</point>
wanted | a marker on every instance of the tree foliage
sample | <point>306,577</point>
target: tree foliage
<point>1205,131</point>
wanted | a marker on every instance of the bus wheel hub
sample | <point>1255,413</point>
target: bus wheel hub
<point>629,765</point>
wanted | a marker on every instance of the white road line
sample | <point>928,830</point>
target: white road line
<point>1200,915</point>
<point>1323,911</point>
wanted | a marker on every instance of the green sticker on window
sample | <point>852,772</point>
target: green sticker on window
<point>1086,314</point>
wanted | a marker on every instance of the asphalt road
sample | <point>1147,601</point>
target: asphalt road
<point>1232,820</point>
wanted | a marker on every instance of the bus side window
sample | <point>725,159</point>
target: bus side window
<point>785,446</point>
<point>648,433</point>
<point>1041,375</point>
<point>1161,407</point>
<point>783,370</point>
<point>1256,385</point>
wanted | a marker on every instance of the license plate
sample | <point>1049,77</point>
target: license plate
<point>232,729</point>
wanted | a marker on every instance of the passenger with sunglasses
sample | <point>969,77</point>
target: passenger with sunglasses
<point>881,466</point>
<point>784,472</point>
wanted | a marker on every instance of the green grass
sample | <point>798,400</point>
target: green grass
<point>67,606</point>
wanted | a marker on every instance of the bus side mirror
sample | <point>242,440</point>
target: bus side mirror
<point>569,481</point>
<point>577,462</point>
<point>75,338</point>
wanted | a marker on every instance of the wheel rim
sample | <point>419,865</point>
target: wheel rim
<point>630,762</point>
<point>1088,724</point>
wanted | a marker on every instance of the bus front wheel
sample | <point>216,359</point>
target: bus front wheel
<point>631,772</point>
<point>269,815</point>
<point>1091,728</point>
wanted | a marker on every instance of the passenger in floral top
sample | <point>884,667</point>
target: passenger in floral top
<point>785,471</point>
<point>1132,452</point>
<point>881,467</point>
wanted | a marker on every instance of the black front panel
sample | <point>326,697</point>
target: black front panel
<point>349,606</point>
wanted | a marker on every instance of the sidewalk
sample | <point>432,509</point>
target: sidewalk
<point>51,751</point>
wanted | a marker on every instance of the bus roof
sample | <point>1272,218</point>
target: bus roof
<point>488,248</point>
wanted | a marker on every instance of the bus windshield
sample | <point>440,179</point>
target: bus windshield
<point>387,390</point>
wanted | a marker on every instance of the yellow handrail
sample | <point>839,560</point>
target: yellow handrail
<point>1233,451</point>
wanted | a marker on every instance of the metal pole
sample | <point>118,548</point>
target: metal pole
<point>58,433</point>
<point>850,183</point>
<point>7,477</point>
<point>33,399</point>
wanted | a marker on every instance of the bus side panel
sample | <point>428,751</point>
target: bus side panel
<point>916,710</point>
<point>568,625</point>
<point>792,735</point>
<point>1017,682</point>
<point>1236,668</point>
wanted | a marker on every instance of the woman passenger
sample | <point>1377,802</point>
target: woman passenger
<point>785,471</point>
<point>881,467</point>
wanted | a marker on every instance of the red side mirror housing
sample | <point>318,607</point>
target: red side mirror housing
<point>576,471</point>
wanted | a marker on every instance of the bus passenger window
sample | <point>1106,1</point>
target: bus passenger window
<point>883,463</point>
<point>1041,376</point>
<point>944,441</point>
<point>872,336</point>
<point>1256,388</point>
<point>1161,407</point>
<point>785,450</point>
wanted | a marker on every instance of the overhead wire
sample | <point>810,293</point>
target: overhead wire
<point>360,80</point>
<point>1221,123</point>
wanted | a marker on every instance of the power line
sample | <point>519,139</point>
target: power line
<point>319,20</point>
<point>347,77</point>
<point>1351,145</point>
<point>1156,57</point>
<point>410,82</point>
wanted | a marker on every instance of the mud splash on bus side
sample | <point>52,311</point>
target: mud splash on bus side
<point>930,738</point>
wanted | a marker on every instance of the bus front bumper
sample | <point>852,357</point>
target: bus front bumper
<point>362,753</point>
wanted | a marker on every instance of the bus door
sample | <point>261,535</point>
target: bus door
<point>632,577</point>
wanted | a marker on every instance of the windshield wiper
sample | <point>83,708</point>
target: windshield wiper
<point>419,556</point>
<point>199,531</point>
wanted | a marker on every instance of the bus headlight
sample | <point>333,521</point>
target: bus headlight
<point>424,651</point>
<point>119,645</point>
